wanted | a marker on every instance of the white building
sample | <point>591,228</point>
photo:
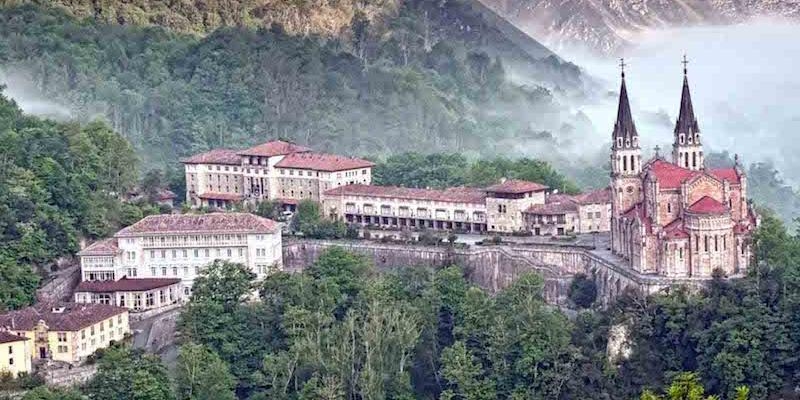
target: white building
<point>154,262</point>
<point>274,170</point>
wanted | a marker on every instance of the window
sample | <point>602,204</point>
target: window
<point>62,349</point>
<point>185,253</point>
<point>150,300</point>
<point>208,253</point>
<point>153,271</point>
<point>669,207</point>
<point>162,297</point>
<point>174,271</point>
<point>705,243</point>
<point>196,253</point>
<point>230,253</point>
<point>163,271</point>
<point>62,337</point>
<point>111,323</point>
<point>241,252</point>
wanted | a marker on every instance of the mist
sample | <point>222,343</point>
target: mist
<point>29,97</point>
<point>745,88</point>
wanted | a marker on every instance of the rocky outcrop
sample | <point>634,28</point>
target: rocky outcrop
<point>608,25</point>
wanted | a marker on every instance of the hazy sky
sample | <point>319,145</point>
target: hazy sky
<point>745,83</point>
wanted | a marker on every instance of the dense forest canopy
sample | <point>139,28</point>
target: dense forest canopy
<point>421,80</point>
<point>59,183</point>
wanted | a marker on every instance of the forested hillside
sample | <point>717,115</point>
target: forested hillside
<point>429,78</point>
<point>58,183</point>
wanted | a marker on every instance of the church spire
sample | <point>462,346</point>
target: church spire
<point>687,150</point>
<point>624,128</point>
<point>687,123</point>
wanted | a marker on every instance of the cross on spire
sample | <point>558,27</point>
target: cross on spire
<point>622,66</point>
<point>685,63</point>
<point>658,151</point>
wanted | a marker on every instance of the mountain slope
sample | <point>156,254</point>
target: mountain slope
<point>322,17</point>
<point>432,77</point>
<point>607,25</point>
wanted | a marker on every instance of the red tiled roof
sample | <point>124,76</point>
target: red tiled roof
<point>555,208</point>
<point>220,196</point>
<point>216,156</point>
<point>126,285</point>
<point>273,148</point>
<point>6,337</point>
<point>101,248</point>
<point>73,317</point>
<point>707,205</point>
<point>452,195</point>
<point>516,186</point>
<point>726,174</point>
<point>670,176</point>
<point>599,196</point>
<point>676,230</point>
<point>293,202</point>
<point>213,222</point>
<point>322,162</point>
<point>166,194</point>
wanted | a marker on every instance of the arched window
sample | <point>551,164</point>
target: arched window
<point>694,160</point>
<point>682,138</point>
<point>624,163</point>
<point>686,159</point>
<point>633,163</point>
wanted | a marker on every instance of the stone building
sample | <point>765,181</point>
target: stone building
<point>677,218</point>
<point>507,207</point>
<point>67,332</point>
<point>153,263</point>
<point>274,170</point>
<point>458,209</point>
<point>570,214</point>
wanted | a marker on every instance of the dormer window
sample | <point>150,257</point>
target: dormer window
<point>628,142</point>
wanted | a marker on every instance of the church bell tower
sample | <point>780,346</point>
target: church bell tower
<point>687,150</point>
<point>626,156</point>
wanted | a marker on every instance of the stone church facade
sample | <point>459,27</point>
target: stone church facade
<point>676,218</point>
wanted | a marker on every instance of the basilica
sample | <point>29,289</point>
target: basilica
<point>675,217</point>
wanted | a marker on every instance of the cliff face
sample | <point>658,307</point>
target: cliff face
<point>322,17</point>
<point>606,26</point>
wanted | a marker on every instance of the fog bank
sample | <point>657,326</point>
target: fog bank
<point>745,83</point>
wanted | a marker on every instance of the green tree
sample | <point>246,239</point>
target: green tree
<point>464,375</point>
<point>224,283</point>
<point>202,375</point>
<point>123,374</point>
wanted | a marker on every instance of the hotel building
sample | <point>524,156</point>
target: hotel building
<point>153,263</point>
<point>275,170</point>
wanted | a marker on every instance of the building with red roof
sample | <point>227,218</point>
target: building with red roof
<point>275,170</point>
<point>497,208</point>
<point>570,214</point>
<point>154,262</point>
<point>677,218</point>
<point>66,332</point>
